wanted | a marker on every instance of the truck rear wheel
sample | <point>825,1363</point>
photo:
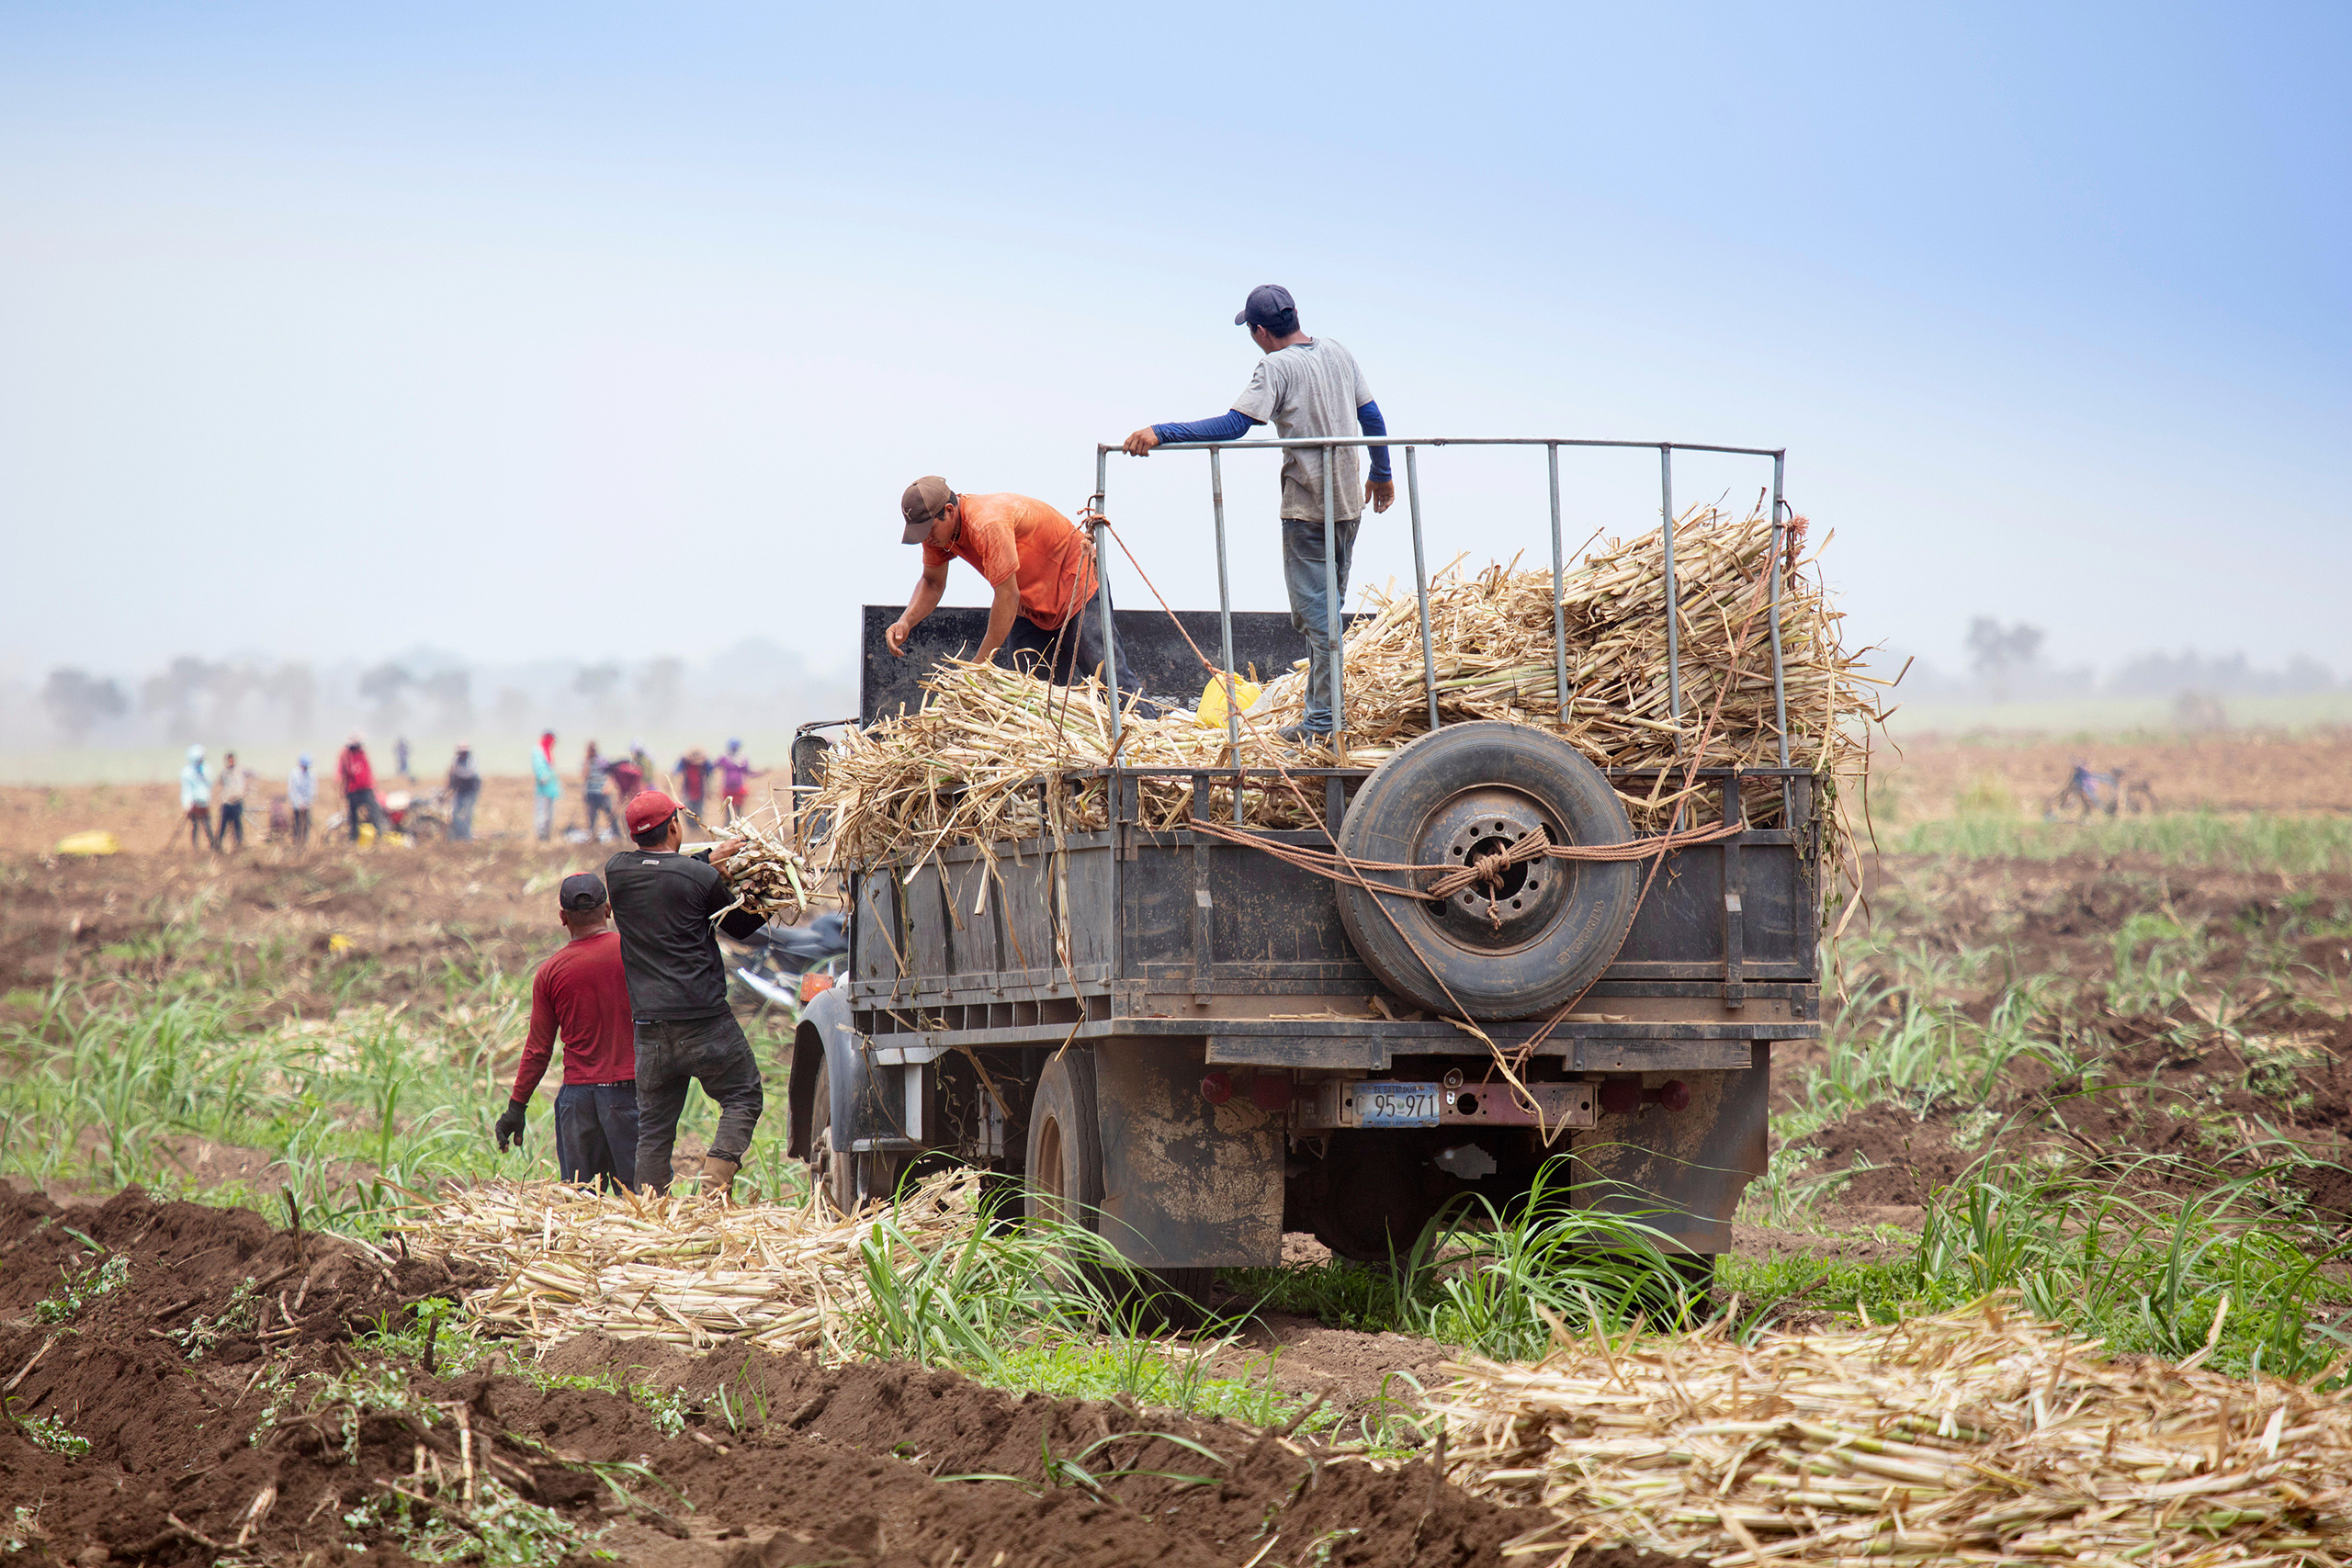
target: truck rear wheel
<point>1065,1185</point>
<point>1065,1179</point>
<point>1524,942</point>
<point>849,1180</point>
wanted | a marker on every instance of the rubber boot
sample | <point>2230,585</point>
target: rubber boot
<point>718,1178</point>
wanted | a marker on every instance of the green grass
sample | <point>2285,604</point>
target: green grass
<point>2299,845</point>
<point>2109,1259</point>
<point>112,1078</point>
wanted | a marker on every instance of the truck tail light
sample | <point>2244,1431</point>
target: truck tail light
<point>1217,1088</point>
<point>813,985</point>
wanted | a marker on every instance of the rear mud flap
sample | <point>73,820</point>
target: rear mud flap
<point>1681,1172</point>
<point>1185,1184</point>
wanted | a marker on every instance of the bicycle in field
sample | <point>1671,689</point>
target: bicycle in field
<point>2086,791</point>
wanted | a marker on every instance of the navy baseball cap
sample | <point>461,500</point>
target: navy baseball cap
<point>1266,304</point>
<point>582,892</point>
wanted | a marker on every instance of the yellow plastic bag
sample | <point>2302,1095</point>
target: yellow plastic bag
<point>95,842</point>
<point>1212,710</point>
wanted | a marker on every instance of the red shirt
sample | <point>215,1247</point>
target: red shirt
<point>1024,538</point>
<point>583,991</point>
<point>356,773</point>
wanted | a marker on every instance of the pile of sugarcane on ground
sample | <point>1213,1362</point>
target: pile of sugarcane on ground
<point>966,766</point>
<point>1979,1435</point>
<point>686,1268</point>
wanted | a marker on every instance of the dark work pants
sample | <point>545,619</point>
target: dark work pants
<point>461,814</point>
<point>599,805</point>
<point>200,835</point>
<point>672,1056</point>
<point>595,1134</point>
<point>298,817</point>
<point>232,820</point>
<point>1073,649</point>
<point>359,804</point>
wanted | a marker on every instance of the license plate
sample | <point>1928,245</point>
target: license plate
<point>1396,1105</point>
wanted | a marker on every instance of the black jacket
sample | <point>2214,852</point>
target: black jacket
<point>663,903</point>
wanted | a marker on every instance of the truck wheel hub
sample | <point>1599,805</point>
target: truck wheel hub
<point>1511,901</point>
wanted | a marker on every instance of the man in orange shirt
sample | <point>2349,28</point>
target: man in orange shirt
<point>1038,563</point>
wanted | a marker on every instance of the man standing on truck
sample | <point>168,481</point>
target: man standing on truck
<point>581,995</point>
<point>1039,565</point>
<point>1307,387</point>
<point>664,902</point>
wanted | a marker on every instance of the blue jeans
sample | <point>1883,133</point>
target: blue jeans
<point>673,1055</point>
<point>1310,605</point>
<point>461,815</point>
<point>595,1134</point>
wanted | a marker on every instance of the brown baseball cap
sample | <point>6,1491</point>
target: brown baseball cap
<point>924,501</point>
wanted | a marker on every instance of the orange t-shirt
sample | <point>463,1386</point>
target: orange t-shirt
<point>1022,535</point>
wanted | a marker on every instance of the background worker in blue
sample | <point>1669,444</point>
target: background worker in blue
<point>1304,387</point>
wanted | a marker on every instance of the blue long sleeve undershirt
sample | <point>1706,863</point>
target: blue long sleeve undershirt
<point>1233,424</point>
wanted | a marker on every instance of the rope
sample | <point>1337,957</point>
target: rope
<point>1485,869</point>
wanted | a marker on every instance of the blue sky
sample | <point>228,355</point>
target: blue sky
<point>615,330</point>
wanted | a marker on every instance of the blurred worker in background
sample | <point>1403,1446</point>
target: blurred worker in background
<point>582,996</point>
<point>196,801</point>
<point>301,795</point>
<point>465,788</point>
<point>628,778</point>
<point>693,781</point>
<point>1307,387</point>
<point>1045,614</point>
<point>664,903</point>
<point>228,793</point>
<point>357,776</point>
<point>399,758</point>
<point>595,793</point>
<point>735,773</point>
<point>547,787</point>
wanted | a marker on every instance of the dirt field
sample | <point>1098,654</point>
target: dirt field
<point>2254,770</point>
<point>268,1437</point>
<point>2198,1014</point>
<point>2076,1013</point>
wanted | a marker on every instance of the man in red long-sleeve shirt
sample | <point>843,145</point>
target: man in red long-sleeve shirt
<point>582,993</point>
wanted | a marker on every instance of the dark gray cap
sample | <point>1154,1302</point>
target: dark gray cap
<point>1266,304</point>
<point>581,891</point>
<point>922,505</point>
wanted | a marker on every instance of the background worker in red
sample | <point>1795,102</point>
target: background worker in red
<point>1039,564</point>
<point>581,995</point>
<point>664,903</point>
<point>357,776</point>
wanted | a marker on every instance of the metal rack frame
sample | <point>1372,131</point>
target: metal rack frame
<point>1330,447</point>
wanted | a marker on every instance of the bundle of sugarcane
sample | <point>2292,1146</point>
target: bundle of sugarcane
<point>1492,635</point>
<point>767,873</point>
<point>1980,1436</point>
<point>988,755</point>
<point>681,1267</point>
<point>968,766</point>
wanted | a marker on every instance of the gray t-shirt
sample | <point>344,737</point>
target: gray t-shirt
<point>1312,388</point>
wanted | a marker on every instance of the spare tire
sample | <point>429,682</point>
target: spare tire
<point>1515,948</point>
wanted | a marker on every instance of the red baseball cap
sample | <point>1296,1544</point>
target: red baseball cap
<point>649,809</point>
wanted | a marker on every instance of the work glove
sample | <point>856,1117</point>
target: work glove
<point>509,1126</point>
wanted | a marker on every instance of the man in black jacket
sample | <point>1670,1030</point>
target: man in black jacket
<point>663,902</point>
